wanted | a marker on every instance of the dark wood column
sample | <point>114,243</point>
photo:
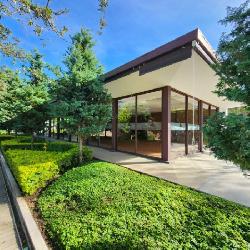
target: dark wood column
<point>209,110</point>
<point>114,123</point>
<point>58,128</point>
<point>166,123</point>
<point>200,146</point>
<point>136,140</point>
<point>186,124</point>
<point>49,128</point>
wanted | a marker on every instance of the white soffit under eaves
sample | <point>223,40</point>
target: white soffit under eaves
<point>179,76</point>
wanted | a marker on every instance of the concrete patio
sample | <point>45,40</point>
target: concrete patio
<point>201,171</point>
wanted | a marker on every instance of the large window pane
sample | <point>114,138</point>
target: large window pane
<point>178,124</point>
<point>193,125</point>
<point>126,125</point>
<point>106,136</point>
<point>149,116</point>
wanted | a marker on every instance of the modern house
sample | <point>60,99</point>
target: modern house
<point>162,99</point>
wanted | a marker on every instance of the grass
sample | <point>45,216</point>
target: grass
<point>104,206</point>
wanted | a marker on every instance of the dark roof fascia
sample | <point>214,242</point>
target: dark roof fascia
<point>135,64</point>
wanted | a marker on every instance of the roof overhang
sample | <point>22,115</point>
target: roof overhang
<point>167,54</point>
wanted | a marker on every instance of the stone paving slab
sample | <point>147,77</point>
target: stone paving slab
<point>8,238</point>
<point>201,171</point>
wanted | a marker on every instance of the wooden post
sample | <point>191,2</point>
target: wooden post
<point>200,146</point>
<point>209,110</point>
<point>49,128</point>
<point>186,124</point>
<point>114,123</point>
<point>58,128</point>
<point>136,140</point>
<point>166,123</point>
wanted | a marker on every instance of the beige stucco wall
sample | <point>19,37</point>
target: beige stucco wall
<point>192,76</point>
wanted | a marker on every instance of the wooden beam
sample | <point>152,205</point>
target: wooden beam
<point>186,124</point>
<point>114,123</point>
<point>166,123</point>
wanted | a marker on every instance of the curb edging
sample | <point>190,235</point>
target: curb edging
<point>31,230</point>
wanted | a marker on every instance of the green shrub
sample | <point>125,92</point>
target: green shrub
<point>6,137</point>
<point>104,206</point>
<point>229,138</point>
<point>27,165</point>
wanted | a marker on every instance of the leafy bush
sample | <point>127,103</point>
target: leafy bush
<point>6,137</point>
<point>31,168</point>
<point>104,206</point>
<point>229,138</point>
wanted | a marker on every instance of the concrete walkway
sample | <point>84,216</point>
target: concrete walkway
<point>8,237</point>
<point>200,171</point>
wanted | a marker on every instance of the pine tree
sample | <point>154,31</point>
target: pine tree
<point>83,101</point>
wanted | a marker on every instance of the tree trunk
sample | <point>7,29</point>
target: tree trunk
<point>81,141</point>
<point>32,141</point>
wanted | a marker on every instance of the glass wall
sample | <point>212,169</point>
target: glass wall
<point>106,136</point>
<point>193,125</point>
<point>149,116</point>
<point>126,125</point>
<point>178,124</point>
<point>205,108</point>
<point>213,109</point>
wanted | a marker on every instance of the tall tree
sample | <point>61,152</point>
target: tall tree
<point>36,88</point>
<point>229,136</point>
<point>33,14</point>
<point>82,100</point>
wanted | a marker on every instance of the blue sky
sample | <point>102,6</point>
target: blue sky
<point>134,27</point>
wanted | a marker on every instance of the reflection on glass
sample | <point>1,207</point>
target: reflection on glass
<point>149,116</point>
<point>213,110</point>
<point>193,124</point>
<point>205,112</point>
<point>106,136</point>
<point>178,124</point>
<point>126,125</point>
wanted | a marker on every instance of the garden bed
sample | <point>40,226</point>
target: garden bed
<point>104,206</point>
<point>100,205</point>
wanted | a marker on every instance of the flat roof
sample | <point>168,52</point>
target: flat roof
<point>194,35</point>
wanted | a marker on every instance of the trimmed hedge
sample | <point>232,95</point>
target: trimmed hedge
<point>6,137</point>
<point>33,169</point>
<point>104,206</point>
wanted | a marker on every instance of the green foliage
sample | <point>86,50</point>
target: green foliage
<point>33,169</point>
<point>83,101</point>
<point>39,17</point>
<point>229,138</point>
<point>6,137</point>
<point>104,206</point>
<point>233,68</point>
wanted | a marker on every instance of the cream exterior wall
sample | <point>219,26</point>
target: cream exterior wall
<point>179,76</point>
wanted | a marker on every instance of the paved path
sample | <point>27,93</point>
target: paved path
<point>8,238</point>
<point>200,171</point>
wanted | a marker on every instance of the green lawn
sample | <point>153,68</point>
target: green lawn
<point>104,206</point>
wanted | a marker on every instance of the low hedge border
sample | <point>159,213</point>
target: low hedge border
<point>33,169</point>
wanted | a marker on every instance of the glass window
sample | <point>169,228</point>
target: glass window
<point>193,124</point>
<point>205,112</point>
<point>126,124</point>
<point>149,117</point>
<point>106,136</point>
<point>178,125</point>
